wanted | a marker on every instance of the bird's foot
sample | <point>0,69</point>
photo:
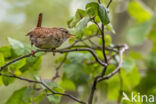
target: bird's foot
<point>54,51</point>
<point>32,53</point>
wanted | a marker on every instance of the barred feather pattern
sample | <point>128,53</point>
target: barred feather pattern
<point>47,38</point>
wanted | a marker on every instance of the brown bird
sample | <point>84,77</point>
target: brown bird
<point>47,38</point>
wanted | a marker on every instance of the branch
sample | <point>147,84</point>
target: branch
<point>90,99</point>
<point>100,77</point>
<point>103,44</point>
<point>110,1</point>
<point>59,51</point>
<point>45,85</point>
<point>119,65</point>
<point>99,1</point>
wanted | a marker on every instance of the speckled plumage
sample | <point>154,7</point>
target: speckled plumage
<point>48,38</point>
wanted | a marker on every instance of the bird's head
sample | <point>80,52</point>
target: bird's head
<point>67,33</point>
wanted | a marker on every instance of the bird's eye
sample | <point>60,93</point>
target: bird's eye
<point>66,31</point>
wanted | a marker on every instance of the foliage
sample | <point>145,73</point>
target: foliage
<point>80,68</point>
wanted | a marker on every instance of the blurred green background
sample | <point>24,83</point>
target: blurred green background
<point>134,23</point>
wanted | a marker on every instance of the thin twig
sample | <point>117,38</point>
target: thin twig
<point>100,77</point>
<point>109,3</point>
<point>45,85</point>
<point>99,1</point>
<point>58,67</point>
<point>103,44</point>
<point>93,88</point>
<point>118,67</point>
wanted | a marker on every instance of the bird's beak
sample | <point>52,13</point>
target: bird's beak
<point>71,36</point>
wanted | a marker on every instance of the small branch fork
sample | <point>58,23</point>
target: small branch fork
<point>76,47</point>
<point>102,76</point>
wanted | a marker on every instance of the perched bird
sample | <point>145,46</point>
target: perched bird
<point>47,38</point>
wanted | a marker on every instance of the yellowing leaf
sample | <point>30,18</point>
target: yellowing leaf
<point>18,73</point>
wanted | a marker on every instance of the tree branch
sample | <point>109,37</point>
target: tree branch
<point>110,1</point>
<point>103,44</point>
<point>118,67</point>
<point>90,99</point>
<point>59,51</point>
<point>45,85</point>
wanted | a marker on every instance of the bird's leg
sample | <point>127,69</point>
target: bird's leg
<point>32,51</point>
<point>54,51</point>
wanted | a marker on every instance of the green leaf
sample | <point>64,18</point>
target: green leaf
<point>110,28</point>
<point>68,85</point>
<point>78,16</point>
<point>97,19</point>
<point>18,48</point>
<point>17,65</point>
<point>128,64</point>
<point>108,40</point>
<point>125,81</point>
<point>18,72</point>
<point>80,27</point>
<point>92,8</point>
<point>38,98</point>
<point>110,68</point>
<point>136,34</point>
<point>134,77</point>
<point>28,93</point>
<point>90,30</point>
<point>51,85</point>
<point>54,98</point>
<point>147,83</point>
<point>131,79</point>
<point>103,14</point>
<point>1,82</point>
<point>54,86</point>
<point>74,68</point>
<point>2,60</point>
<point>7,80</point>
<point>59,90</point>
<point>75,72</point>
<point>113,88</point>
<point>133,55</point>
<point>6,50</point>
<point>151,61</point>
<point>21,96</point>
<point>32,64</point>
<point>138,11</point>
